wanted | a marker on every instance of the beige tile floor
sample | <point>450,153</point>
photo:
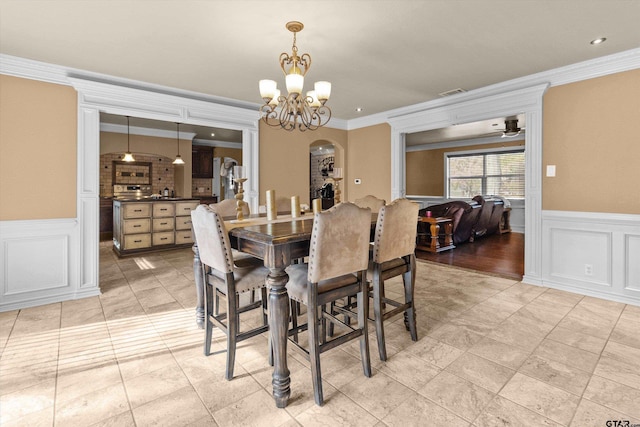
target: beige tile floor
<point>491,352</point>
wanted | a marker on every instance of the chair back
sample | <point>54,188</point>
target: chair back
<point>283,205</point>
<point>395,231</point>
<point>339,242</point>
<point>371,202</point>
<point>212,239</point>
<point>227,208</point>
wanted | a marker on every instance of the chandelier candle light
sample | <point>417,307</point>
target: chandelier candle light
<point>294,110</point>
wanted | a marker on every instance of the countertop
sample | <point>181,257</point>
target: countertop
<point>159,199</point>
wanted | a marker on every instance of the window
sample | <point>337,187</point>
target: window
<point>500,173</point>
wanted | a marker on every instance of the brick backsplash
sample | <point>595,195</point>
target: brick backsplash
<point>203,184</point>
<point>318,163</point>
<point>162,172</point>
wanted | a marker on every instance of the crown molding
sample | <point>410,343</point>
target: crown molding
<point>53,73</point>
<point>597,67</point>
<point>462,143</point>
<point>214,143</point>
<point>338,124</point>
<point>34,70</point>
<point>585,70</point>
<point>58,74</point>
<point>136,130</point>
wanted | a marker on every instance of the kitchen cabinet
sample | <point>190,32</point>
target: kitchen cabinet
<point>202,161</point>
<point>106,218</point>
<point>142,226</point>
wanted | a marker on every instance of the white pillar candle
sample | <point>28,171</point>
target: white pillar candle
<point>295,206</point>
<point>317,206</point>
<point>271,205</point>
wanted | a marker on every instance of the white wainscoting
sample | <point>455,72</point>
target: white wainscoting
<point>40,263</point>
<point>595,254</point>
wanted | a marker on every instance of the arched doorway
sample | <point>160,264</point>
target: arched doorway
<point>323,157</point>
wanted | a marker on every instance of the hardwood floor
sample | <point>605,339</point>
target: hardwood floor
<point>500,254</point>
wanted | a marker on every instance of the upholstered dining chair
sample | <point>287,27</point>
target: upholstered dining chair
<point>393,255</point>
<point>227,208</point>
<point>222,274</point>
<point>371,202</point>
<point>283,205</point>
<point>338,260</point>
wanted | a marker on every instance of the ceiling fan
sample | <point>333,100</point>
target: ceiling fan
<point>511,128</point>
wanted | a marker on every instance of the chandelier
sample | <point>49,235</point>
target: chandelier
<point>295,110</point>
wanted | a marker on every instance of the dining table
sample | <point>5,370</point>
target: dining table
<point>277,242</point>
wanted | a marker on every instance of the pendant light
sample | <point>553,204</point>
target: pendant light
<point>128,157</point>
<point>178,160</point>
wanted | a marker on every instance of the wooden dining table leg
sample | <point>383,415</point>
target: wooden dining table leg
<point>278,324</point>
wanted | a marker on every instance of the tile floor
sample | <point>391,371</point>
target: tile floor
<point>492,351</point>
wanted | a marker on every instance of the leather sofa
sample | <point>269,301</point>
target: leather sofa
<point>479,217</point>
<point>490,215</point>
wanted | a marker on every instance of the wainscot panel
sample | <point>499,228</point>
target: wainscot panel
<point>593,254</point>
<point>40,263</point>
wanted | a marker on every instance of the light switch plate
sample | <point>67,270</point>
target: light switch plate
<point>551,170</point>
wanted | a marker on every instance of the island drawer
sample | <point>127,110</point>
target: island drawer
<point>164,238</point>
<point>183,237</point>
<point>183,223</point>
<point>136,226</point>
<point>185,208</point>
<point>163,209</point>
<point>137,241</point>
<point>136,210</point>
<point>162,224</point>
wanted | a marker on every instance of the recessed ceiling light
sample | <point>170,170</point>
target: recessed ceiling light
<point>213,134</point>
<point>598,40</point>
<point>358,109</point>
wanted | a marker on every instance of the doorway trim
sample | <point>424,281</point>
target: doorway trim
<point>466,108</point>
<point>96,97</point>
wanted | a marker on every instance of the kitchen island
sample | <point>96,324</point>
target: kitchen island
<point>152,224</point>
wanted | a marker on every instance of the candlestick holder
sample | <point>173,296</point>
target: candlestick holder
<point>336,191</point>
<point>337,177</point>
<point>240,199</point>
<point>239,177</point>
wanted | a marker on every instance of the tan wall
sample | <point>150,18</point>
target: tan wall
<point>590,134</point>
<point>38,146</point>
<point>234,153</point>
<point>284,159</point>
<point>370,161</point>
<point>425,169</point>
<point>111,142</point>
<point>425,173</point>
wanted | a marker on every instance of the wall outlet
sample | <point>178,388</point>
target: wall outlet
<point>588,270</point>
<point>551,170</point>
